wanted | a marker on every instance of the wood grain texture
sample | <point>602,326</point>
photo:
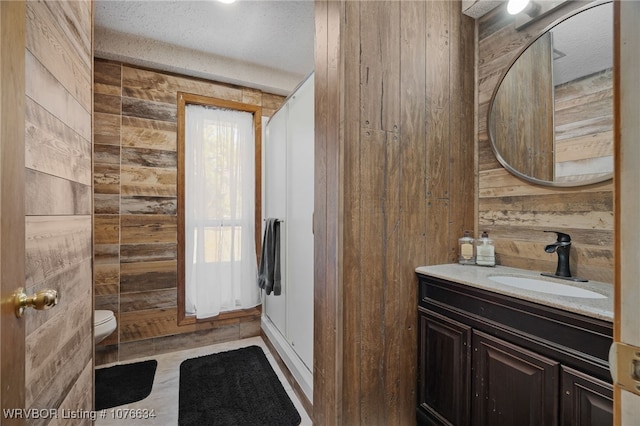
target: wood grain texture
<point>165,344</point>
<point>107,78</point>
<point>53,243</point>
<point>522,119</point>
<point>107,103</point>
<point>50,195</point>
<point>584,127</point>
<point>106,203</point>
<point>70,283</point>
<point>148,181</point>
<point>516,212</point>
<point>380,29</point>
<point>351,317</point>
<point>43,88</point>
<point>106,154</point>
<point>146,276</point>
<point>144,133</point>
<point>106,229</point>
<point>161,87</point>
<point>148,205</point>
<point>152,110</point>
<point>104,254</point>
<point>56,47</point>
<point>393,83</point>
<point>150,323</point>
<point>328,403</point>
<point>106,128</point>
<point>413,203</point>
<point>135,175</point>
<point>149,229</point>
<point>106,278</point>
<point>12,187</point>
<point>157,299</point>
<point>106,178</point>
<point>80,395</point>
<point>54,148</point>
<point>58,248</point>
<point>148,157</point>
<point>130,253</point>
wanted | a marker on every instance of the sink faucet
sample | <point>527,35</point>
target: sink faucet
<point>562,247</point>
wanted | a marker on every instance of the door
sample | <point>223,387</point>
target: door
<point>512,385</point>
<point>275,183</point>
<point>46,357</point>
<point>444,358</point>
<point>627,176</point>
<point>12,254</point>
<point>299,213</point>
<point>586,401</point>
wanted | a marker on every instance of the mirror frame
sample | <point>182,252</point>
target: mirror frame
<point>499,157</point>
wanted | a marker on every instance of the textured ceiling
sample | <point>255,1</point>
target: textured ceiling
<point>261,43</point>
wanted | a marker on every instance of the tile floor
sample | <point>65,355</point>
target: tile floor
<point>164,394</point>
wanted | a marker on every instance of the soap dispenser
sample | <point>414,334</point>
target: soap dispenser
<point>466,254</point>
<point>485,251</point>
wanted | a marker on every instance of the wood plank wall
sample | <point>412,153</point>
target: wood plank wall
<point>135,225</point>
<point>59,348</point>
<point>516,212</point>
<point>584,126</point>
<point>394,190</point>
<point>522,117</point>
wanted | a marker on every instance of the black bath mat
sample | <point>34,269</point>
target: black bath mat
<point>124,384</point>
<point>233,388</point>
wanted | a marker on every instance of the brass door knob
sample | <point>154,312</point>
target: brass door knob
<point>42,300</point>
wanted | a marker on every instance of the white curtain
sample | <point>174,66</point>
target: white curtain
<point>220,261</point>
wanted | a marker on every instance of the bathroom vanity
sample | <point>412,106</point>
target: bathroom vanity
<point>490,353</point>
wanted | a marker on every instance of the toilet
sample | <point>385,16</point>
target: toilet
<point>104,323</point>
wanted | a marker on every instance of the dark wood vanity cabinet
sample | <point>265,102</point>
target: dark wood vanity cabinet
<point>585,399</point>
<point>511,385</point>
<point>445,356</point>
<point>490,359</point>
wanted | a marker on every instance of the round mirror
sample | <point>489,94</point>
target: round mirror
<point>550,119</point>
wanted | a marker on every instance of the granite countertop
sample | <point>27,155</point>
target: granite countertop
<point>478,276</point>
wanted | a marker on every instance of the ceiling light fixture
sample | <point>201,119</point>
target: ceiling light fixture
<point>227,1</point>
<point>516,6</point>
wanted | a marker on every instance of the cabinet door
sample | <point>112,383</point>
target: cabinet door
<point>444,363</point>
<point>585,400</point>
<point>511,385</point>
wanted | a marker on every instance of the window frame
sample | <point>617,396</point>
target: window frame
<point>185,99</point>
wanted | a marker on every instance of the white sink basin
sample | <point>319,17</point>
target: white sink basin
<point>543,286</point>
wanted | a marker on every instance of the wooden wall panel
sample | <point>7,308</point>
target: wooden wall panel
<point>516,212</point>
<point>413,203</point>
<point>584,126</point>
<point>58,145</point>
<point>329,339</point>
<point>135,205</point>
<point>52,147</point>
<point>522,115</point>
<point>57,49</point>
<point>47,194</point>
<point>394,143</point>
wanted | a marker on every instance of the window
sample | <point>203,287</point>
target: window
<point>219,152</point>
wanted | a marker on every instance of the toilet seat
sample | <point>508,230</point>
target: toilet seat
<point>104,323</point>
<point>102,317</point>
